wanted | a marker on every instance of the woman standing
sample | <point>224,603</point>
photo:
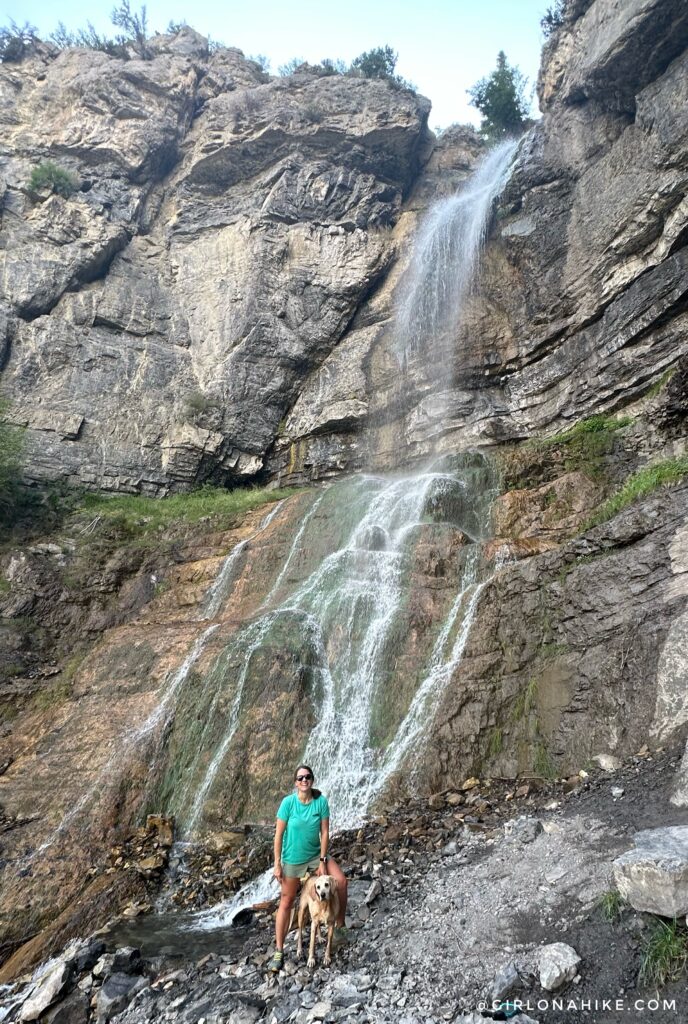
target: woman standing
<point>302,835</point>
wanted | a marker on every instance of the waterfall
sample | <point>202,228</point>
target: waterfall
<point>445,256</point>
<point>349,609</point>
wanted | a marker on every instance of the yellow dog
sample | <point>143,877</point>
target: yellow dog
<point>321,898</point>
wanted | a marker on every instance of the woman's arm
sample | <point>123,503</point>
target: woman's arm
<point>279,833</point>
<point>324,843</point>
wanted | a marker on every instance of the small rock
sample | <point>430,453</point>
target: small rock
<point>116,992</point>
<point>679,797</point>
<point>319,1011</point>
<point>607,762</point>
<point>524,829</point>
<point>617,792</point>
<point>126,960</point>
<point>103,966</point>
<point>374,891</point>
<point>470,783</point>
<point>557,964</point>
<point>506,981</point>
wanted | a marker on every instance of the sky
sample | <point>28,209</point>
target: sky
<point>444,46</point>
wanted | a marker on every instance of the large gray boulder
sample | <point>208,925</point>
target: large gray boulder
<point>653,876</point>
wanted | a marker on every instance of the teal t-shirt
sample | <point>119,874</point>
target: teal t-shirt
<point>301,840</point>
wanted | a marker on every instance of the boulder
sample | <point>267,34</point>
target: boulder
<point>116,992</point>
<point>653,877</point>
<point>48,988</point>
<point>557,964</point>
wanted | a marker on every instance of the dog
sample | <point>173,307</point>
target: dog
<point>321,898</point>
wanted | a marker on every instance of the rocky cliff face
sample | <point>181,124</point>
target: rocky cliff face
<point>215,303</point>
<point>159,323</point>
<point>582,293</point>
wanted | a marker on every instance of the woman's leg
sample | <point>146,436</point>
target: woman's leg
<point>290,887</point>
<point>334,869</point>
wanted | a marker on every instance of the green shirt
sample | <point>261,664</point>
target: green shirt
<point>301,841</point>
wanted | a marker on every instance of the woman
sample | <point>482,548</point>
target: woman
<point>302,835</point>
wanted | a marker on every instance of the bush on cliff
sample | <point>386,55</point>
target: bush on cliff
<point>553,18</point>
<point>500,98</point>
<point>16,41</point>
<point>379,62</point>
<point>133,38</point>
<point>57,179</point>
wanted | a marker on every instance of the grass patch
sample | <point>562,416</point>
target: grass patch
<point>137,516</point>
<point>639,485</point>
<point>665,954</point>
<point>583,431</point>
<point>52,695</point>
<point>612,904</point>
<point>495,743</point>
<point>660,384</point>
<point>543,764</point>
<point>582,447</point>
<point>525,702</point>
<point>49,175</point>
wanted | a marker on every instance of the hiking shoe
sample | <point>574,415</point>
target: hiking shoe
<point>277,962</point>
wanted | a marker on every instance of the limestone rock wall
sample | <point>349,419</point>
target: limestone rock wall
<point>158,323</point>
<point>581,302</point>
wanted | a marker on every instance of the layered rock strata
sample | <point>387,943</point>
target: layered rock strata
<point>159,322</point>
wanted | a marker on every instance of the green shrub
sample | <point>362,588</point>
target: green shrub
<point>16,41</point>
<point>284,70</point>
<point>639,485</point>
<point>584,428</point>
<point>379,62</point>
<point>49,175</point>
<point>665,954</point>
<point>196,403</point>
<point>553,18</point>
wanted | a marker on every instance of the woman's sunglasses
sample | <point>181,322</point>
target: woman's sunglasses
<point>304,778</point>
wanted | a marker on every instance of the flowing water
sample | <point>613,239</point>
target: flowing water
<point>374,678</point>
<point>349,616</point>
<point>446,253</point>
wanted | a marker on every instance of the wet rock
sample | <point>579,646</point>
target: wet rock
<point>72,1010</point>
<point>48,988</point>
<point>505,982</point>
<point>557,964</point>
<point>116,992</point>
<point>653,876</point>
<point>126,960</point>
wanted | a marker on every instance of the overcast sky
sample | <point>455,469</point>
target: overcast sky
<point>444,46</point>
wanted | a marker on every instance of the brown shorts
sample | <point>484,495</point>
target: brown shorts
<point>299,870</point>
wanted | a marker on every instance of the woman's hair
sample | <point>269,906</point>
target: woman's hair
<point>316,792</point>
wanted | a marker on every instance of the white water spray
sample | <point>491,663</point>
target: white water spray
<point>446,252</point>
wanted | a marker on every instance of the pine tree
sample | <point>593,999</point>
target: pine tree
<point>500,98</point>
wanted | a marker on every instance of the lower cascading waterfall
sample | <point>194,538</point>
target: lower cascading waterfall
<point>348,613</point>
